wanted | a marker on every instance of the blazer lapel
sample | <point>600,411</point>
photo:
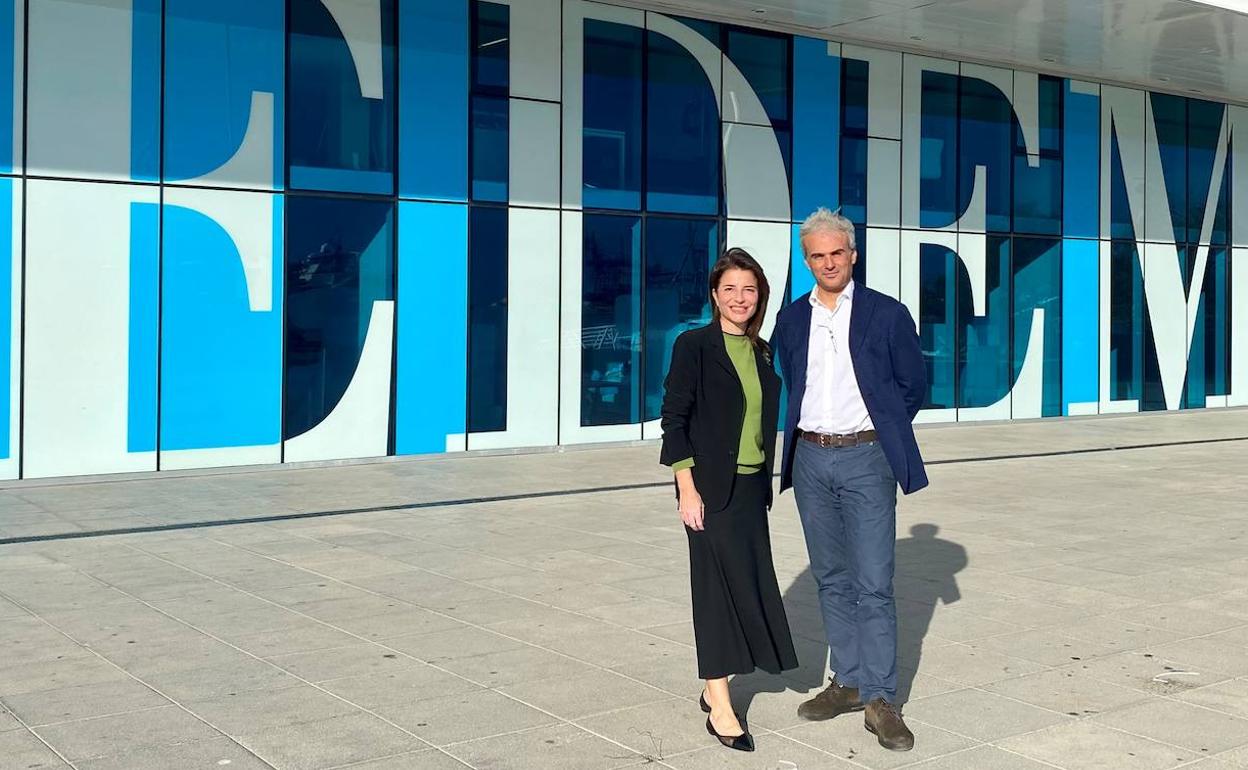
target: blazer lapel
<point>862,307</point>
<point>719,351</point>
<point>800,340</point>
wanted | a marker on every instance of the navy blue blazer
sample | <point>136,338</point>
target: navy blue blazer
<point>888,364</point>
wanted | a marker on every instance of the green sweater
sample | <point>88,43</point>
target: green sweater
<point>750,457</point>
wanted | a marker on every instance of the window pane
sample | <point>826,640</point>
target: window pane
<point>342,125</point>
<point>490,148</point>
<point>984,342</point>
<point>854,178</point>
<point>764,60</point>
<point>1204,124</point>
<point>679,253</point>
<point>1121,226</point>
<point>1126,322</point>
<point>1160,260</point>
<point>612,114</point>
<point>1038,196</point>
<point>938,159</point>
<point>610,320</point>
<point>208,106</point>
<point>986,122</point>
<point>1038,285</point>
<point>1050,115</point>
<point>1170,117</point>
<point>937,319</point>
<point>854,96</point>
<point>339,261</point>
<point>1211,343</point>
<point>487,319</point>
<point>682,130</point>
<point>491,48</point>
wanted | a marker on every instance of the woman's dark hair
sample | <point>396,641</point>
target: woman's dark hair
<point>740,259</point>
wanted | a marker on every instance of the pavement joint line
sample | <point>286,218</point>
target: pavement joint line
<point>564,720</point>
<point>172,702</point>
<point>34,734</point>
<point>242,547</point>
<point>150,528</point>
<point>378,643</point>
<point>239,649</point>
<point>399,755</point>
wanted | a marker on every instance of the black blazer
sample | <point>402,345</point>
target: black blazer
<point>704,408</point>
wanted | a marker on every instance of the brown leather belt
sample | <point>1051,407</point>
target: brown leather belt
<point>839,440</point>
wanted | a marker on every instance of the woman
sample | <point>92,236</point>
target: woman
<point>719,434</point>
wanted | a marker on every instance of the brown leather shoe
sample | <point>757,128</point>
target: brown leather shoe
<point>835,699</point>
<point>884,720</point>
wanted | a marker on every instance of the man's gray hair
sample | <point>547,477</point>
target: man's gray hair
<point>826,221</point>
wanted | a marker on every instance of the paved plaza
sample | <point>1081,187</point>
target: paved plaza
<point>1071,593</point>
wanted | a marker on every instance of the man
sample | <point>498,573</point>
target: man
<point>856,379</point>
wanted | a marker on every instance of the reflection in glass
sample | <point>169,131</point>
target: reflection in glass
<point>610,320</point>
<point>853,179</point>
<point>339,261</point>
<point>764,59</point>
<point>679,253</point>
<point>341,124</point>
<point>938,151</point>
<point>491,48</point>
<point>986,122</point>
<point>490,149</point>
<point>612,134</point>
<point>984,342</point>
<point>1204,126</point>
<point>1208,369</point>
<point>938,270</point>
<point>1038,285</point>
<point>1121,226</point>
<point>1038,196</point>
<point>854,73</point>
<point>487,319</point>
<point>1170,118</point>
<point>1126,322</point>
<point>682,131</point>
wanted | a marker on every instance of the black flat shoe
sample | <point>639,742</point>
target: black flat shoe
<point>742,742</point>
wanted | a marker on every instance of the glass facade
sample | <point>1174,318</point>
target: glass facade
<point>353,229</point>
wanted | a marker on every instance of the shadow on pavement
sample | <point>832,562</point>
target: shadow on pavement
<point>927,566</point>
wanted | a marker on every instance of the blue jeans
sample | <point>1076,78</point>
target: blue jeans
<point>847,500</point>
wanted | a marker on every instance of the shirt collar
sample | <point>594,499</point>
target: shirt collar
<point>847,297</point>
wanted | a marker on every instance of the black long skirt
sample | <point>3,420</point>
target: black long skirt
<point>738,616</point>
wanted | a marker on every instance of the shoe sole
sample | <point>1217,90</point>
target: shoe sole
<point>849,710</point>
<point>880,740</point>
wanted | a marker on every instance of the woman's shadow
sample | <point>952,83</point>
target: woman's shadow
<point>926,570</point>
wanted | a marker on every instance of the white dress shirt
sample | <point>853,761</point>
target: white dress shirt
<point>832,402</point>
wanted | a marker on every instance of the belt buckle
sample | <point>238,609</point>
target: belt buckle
<point>826,441</point>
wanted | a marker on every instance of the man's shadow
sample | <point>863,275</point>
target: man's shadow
<point>926,569</point>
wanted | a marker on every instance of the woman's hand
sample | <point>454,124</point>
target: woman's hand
<point>690,502</point>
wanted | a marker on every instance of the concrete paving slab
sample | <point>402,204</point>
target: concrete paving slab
<point>330,742</point>
<point>981,715</point>
<point>125,733</point>
<point>243,713</point>
<point>577,604</point>
<point>469,716</point>
<point>577,697</point>
<point>1085,744</point>
<point>83,701</point>
<point>22,749</point>
<point>1192,727</point>
<point>562,747</point>
<point>210,754</point>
